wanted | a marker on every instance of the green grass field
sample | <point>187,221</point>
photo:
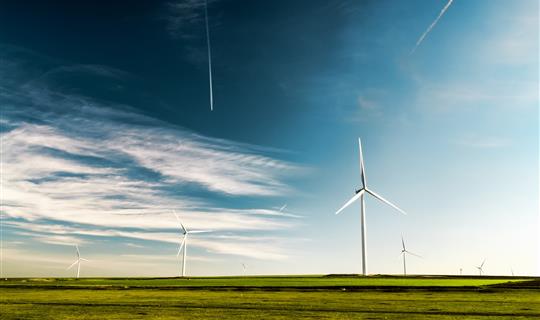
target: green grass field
<point>308,297</point>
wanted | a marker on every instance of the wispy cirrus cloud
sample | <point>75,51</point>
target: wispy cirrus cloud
<point>471,95</point>
<point>75,167</point>
<point>482,142</point>
<point>182,15</point>
<point>258,247</point>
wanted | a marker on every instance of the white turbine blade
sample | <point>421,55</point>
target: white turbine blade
<point>403,243</point>
<point>201,231</point>
<point>414,254</point>
<point>362,168</point>
<point>85,260</point>
<point>353,199</point>
<point>483,263</point>
<point>179,221</point>
<point>180,246</point>
<point>283,208</point>
<point>71,266</point>
<point>78,252</point>
<point>385,201</point>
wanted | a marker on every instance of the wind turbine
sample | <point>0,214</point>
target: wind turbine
<point>77,262</point>
<point>359,194</point>
<point>244,268</point>
<point>480,267</point>
<point>183,242</point>
<point>403,253</point>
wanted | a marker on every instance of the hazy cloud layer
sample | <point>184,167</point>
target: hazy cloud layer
<point>103,170</point>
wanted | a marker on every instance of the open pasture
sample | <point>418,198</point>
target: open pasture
<point>315,297</point>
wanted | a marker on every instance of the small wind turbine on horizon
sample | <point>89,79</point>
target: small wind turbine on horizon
<point>77,262</point>
<point>244,268</point>
<point>183,242</point>
<point>403,253</point>
<point>359,194</point>
<point>480,270</point>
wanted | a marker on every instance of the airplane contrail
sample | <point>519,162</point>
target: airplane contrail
<point>209,56</point>
<point>428,30</point>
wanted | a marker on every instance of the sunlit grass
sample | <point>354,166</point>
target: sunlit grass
<point>275,281</point>
<point>312,297</point>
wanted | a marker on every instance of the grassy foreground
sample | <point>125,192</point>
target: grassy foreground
<point>316,297</point>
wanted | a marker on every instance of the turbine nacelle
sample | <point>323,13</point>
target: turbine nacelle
<point>359,193</point>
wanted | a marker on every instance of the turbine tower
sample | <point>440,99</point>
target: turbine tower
<point>360,195</point>
<point>480,270</point>
<point>403,253</point>
<point>77,262</point>
<point>183,242</point>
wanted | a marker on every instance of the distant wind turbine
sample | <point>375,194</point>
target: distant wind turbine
<point>211,90</point>
<point>405,252</point>
<point>183,243</point>
<point>360,195</point>
<point>244,268</point>
<point>77,262</point>
<point>480,270</point>
<point>460,271</point>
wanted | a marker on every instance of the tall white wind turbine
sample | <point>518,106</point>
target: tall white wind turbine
<point>360,195</point>
<point>183,242</point>
<point>405,252</point>
<point>480,270</point>
<point>77,262</point>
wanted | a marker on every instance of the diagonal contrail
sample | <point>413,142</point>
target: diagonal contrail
<point>428,30</point>
<point>209,56</point>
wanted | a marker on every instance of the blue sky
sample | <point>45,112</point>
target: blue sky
<point>106,129</point>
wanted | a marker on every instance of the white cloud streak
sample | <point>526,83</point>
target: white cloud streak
<point>74,168</point>
<point>431,26</point>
